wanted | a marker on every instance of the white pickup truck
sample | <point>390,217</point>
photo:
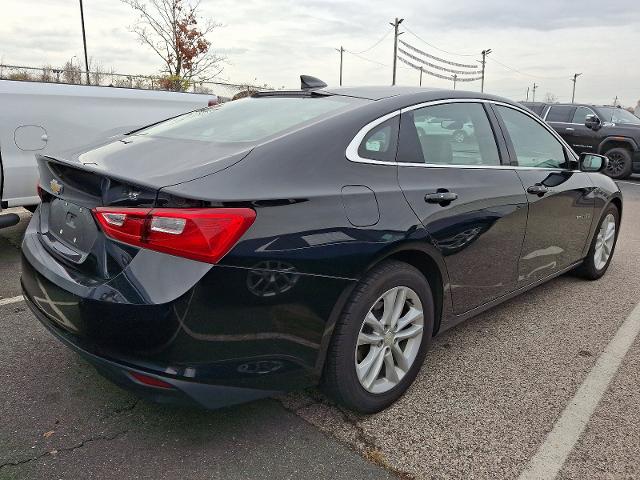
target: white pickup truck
<point>49,117</point>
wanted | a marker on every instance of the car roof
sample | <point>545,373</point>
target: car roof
<point>592,105</point>
<point>378,92</point>
<point>388,98</point>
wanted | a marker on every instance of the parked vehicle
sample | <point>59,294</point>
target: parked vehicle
<point>611,131</point>
<point>305,237</point>
<point>48,117</point>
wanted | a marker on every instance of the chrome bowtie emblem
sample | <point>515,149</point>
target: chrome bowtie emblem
<point>56,187</point>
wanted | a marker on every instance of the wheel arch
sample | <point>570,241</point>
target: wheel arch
<point>617,142</point>
<point>617,201</point>
<point>421,255</point>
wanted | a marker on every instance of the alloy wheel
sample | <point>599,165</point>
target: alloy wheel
<point>616,164</point>
<point>604,241</point>
<point>389,339</point>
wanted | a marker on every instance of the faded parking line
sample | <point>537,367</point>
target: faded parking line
<point>553,453</point>
<point>9,301</point>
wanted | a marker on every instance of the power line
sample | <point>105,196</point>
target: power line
<point>462,65</point>
<point>366,59</point>
<point>375,44</point>
<point>437,75</point>
<point>521,72</point>
<point>437,48</point>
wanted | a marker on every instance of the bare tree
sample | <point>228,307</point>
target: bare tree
<point>174,30</point>
<point>550,98</point>
<point>72,73</point>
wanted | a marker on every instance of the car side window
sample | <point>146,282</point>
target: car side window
<point>580,115</point>
<point>560,113</point>
<point>380,143</point>
<point>534,145</point>
<point>448,134</point>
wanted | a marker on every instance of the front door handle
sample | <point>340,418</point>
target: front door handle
<point>442,197</point>
<point>537,189</point>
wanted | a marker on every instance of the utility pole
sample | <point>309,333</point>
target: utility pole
<point>535,87</point>
<point>528,93</point>
<point>574,80</point>
<point>420,76</point>
<point>455,79</point>
<point>484,63</point>
<point>84,41</point>
<point>341,50</point>
<point>395,25</point>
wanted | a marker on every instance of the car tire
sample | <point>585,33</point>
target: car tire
<point>341,380</point>
<point>593,266</point>
<point>620,163</point>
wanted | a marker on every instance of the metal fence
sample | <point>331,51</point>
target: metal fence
<point>74,75</point>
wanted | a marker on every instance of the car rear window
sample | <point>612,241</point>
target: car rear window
<point>560,114</point>
<point>248,120</point>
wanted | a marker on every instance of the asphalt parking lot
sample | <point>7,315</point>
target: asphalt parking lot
<point>483,406</point>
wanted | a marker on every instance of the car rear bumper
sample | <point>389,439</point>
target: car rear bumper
<point>214,339</point>
<point>182,392</point>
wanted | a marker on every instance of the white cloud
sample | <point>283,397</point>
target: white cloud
<point>274,41</point>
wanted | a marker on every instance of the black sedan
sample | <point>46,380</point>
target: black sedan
<point>295,238</point>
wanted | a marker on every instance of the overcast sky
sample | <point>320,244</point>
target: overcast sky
<point>274,41</point>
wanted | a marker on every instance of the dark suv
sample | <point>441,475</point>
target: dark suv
<point>611,131</point>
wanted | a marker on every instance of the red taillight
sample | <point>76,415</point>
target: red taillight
<point>204,234</point>
<point>149,380</point>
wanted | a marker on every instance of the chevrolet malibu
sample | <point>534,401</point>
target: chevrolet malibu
<point>308,237</point>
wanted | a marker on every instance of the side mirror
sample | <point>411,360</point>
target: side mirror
<point>592,122</point>
<point>591,162</point>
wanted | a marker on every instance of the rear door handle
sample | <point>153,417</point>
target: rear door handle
<point>537,189</point>
<point>442,197</point>
<point>569,129</point>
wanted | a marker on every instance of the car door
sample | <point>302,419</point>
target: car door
<point>578,136</point>
<point>561,199</point>
<point>473,207</point>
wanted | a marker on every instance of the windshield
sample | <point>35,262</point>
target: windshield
<point>618,115</point>
<point>249,119</point>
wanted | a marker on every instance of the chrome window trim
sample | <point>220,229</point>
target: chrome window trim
<point>352,149</point>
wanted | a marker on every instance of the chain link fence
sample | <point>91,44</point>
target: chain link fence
<point>74,75</point>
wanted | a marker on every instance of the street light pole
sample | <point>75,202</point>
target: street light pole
<point>455,79</point>
<point>395,25</point>
<point>574,80</point>
<point>484,63</point>
<point>535,87</point>
<point>84,42</point>
<point>72,74</point>
<point>341,50</point>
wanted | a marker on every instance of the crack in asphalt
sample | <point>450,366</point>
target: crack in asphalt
<point>97,438</point>
<point>127,408</point>
<point>364,442</point>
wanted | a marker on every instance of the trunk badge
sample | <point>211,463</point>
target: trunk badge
<point>56,187</point>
